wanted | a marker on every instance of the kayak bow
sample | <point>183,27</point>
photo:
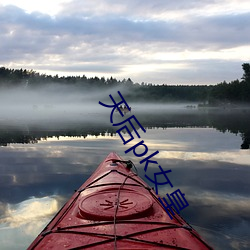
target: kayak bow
<point>116,209</point>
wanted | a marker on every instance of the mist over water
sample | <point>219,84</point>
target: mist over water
<point>55,102</point>
<point>64,103</point>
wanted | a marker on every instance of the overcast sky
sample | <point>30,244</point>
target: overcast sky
<point>157,41</point>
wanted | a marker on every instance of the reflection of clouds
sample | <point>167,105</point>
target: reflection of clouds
<point>51,167</point>
<point>29,212</point>
<point>227,240</point>
<point>79,151</point>
<point>223,219</point>
<point>226,202</point>
<point>66,156</point>
<point>22,222</point>
<point>191,139</point>
<point>224,215</point>
<point>166,145</point>
<point>237,156</point>
<point>2,209</point>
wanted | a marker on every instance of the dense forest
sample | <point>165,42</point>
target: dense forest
<point>234,92</point>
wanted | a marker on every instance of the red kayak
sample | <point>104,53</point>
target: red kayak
<point>115,209</point>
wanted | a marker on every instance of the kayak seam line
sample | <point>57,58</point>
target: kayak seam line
<point>108,184</point>
<point>119,222</point>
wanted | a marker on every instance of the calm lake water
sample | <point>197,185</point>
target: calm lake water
<point>44,158</point>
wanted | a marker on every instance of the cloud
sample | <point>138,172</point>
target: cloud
<point>115,30</point>
<point>125,39</point>
<point>147,9</point>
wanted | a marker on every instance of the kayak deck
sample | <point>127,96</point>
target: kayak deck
<point>115,209</point>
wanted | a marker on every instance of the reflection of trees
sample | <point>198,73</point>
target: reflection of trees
<point>233,121</point>
<point>16,137</point>
<point>229,120</point>
<point>246,141</point>
<point>35,133</point>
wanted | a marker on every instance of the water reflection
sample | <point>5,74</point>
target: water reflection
<point>29,210</point>
<point>204,156</point>
<point>20,222</point>
<point>233,121</point>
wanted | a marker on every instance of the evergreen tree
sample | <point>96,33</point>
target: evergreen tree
<point>246,69</point>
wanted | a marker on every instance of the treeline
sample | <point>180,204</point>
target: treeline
<point>237,91</point>
<point>234,92</point>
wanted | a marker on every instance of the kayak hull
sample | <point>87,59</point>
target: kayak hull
<point>116,209</point>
